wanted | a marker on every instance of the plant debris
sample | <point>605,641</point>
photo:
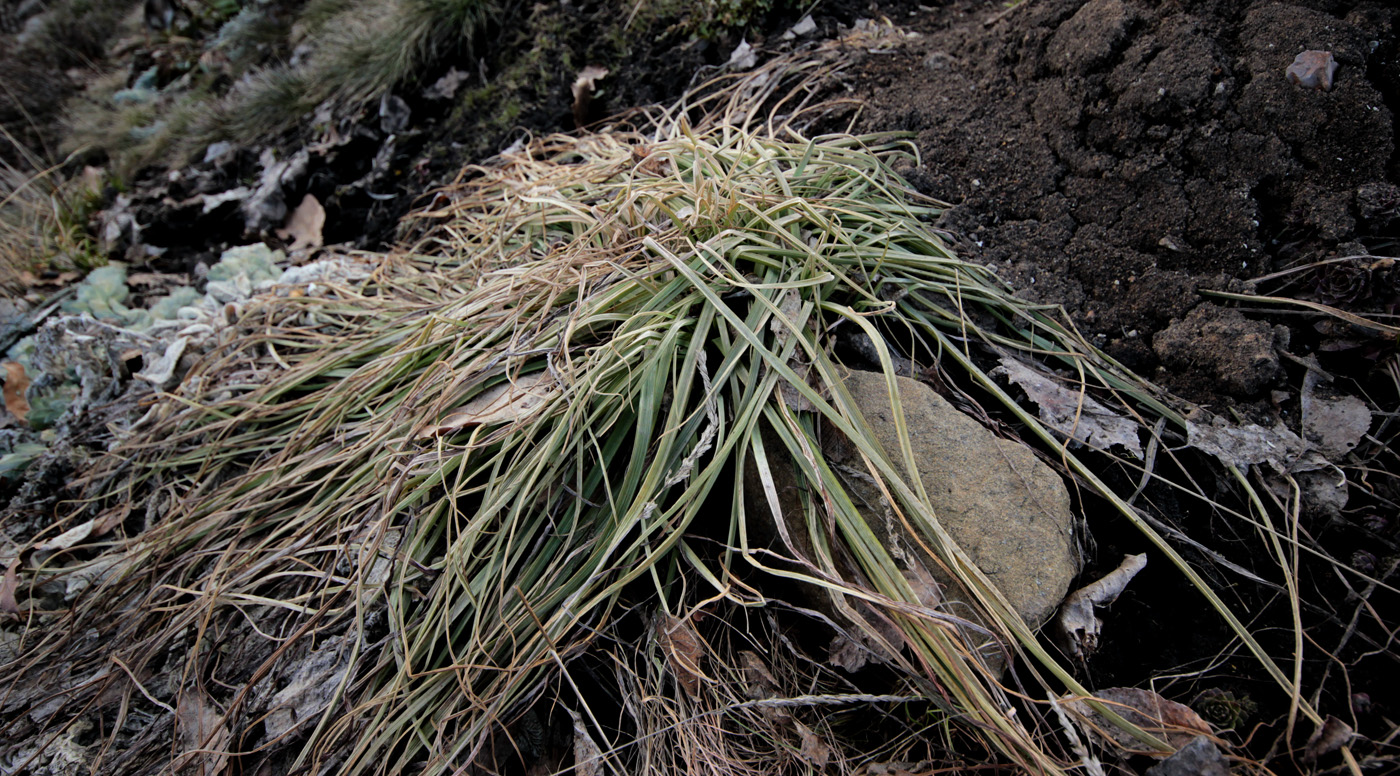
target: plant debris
<point>1173,723</point>
<point>1077,626</point>
<point>1072,412</point>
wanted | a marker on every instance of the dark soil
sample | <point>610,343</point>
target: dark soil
<point>1114,156</point>
<point>1117,158</point>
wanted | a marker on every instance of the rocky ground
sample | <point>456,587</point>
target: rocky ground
<point>1134,162</point>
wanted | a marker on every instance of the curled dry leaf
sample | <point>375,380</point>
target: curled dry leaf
<point>1076,626</point>
<point>16,383</point>
<point>1331,736</point>
<point>1173,723</point>
<point>304,225</point>
<point>502,403</point>
<point>683,652</point>
<point>1072,412</point>
<point>585,85</point>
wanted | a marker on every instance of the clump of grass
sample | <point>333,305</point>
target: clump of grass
<point>75,33</point>
<point>327,483</point>
<point>44,222</point>
<point>359,51</point>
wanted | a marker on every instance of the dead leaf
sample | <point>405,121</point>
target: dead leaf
<point>585,85</point>
<point>304,225</point>
<point>1173,723</point>
<point>1072,412</point>
<point>502,403</point>
<point>9,585</point>
<point>1333,422</point>
<point>16,383</point>
<point>67,539</point>
<point>203,735</point>
<point>1332,735</point>
<point>683,650</point>
<point>588,758</point>
<point>812,749</point>
<point>1076,625</point>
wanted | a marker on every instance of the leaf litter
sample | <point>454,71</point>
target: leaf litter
<point>1073,412</point>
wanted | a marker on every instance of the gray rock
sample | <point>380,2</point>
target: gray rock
<point>1005,508</point>
<point>1201,757</point>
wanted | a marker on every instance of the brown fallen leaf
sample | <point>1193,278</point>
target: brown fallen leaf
<point>16,383</point>
<point>1331,736</point>
<point>1173,723</point>
<point>502,403</point>
<point>683,651</point>
<point>304,225</point>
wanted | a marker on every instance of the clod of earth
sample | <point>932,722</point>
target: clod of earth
<point>1312,70</point>
<point>1232,350</point>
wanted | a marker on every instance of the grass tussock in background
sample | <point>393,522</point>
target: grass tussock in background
<point>43,223</point>
<point>358,51</point>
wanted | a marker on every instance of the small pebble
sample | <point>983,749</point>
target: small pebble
<point>1312,70</point>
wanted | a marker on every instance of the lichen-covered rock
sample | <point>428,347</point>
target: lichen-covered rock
<point>1003,506</point>
<point>1008,511</point>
